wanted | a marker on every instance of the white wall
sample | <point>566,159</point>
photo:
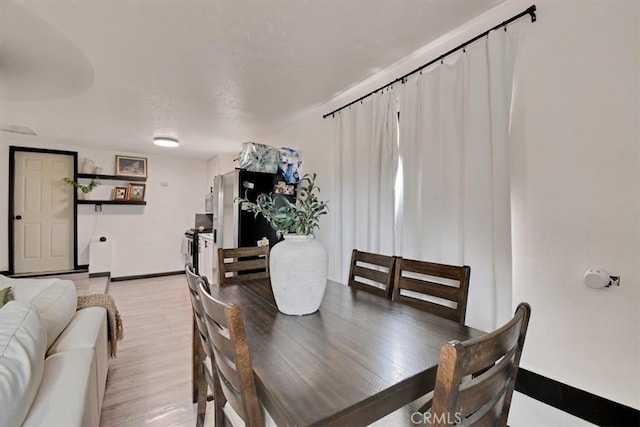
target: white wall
<point>575,188</point>
<point>145,239</point>
<point>220,164</point>
<point>313,138</point>
<point>576,193</point>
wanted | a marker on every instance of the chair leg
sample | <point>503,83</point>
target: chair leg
<point>202,398</point>
<point>220,418</point>
<point>196,361</point>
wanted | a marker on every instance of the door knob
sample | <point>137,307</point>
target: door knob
<point>18,217</point>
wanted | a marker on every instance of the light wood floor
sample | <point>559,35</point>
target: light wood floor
<point>149,382</point>
<point>86,285</point>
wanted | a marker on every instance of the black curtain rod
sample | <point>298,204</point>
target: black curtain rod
<point>531,10</point>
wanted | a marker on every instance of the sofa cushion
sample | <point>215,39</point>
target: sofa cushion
<point>67,394</point>
<point>22,347</point>
<point>27,293</point>
<point>88,330</point>
<point>54,299</point>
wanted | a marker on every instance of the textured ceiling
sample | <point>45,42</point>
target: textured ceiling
<point>214,73</point>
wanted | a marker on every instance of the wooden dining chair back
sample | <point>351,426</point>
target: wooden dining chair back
<point>203,372</point>
<point>241,264</point>
<point>232,360</point>
<point>440,289</point>
<point>483,399</point>
<point>372,273</point>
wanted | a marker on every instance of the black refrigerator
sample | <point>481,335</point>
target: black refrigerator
<point>234,227</point>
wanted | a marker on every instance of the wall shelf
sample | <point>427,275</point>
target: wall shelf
<point>112,177</point>
<point>112,202</point>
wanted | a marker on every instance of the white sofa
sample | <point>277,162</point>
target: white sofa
<point>53,359</point>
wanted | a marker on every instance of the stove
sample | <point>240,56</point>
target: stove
<point>192,254</point>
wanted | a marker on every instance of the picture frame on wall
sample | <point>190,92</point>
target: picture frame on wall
<point>135,192</point>
<point>120,193</point>
<point>131,166</point>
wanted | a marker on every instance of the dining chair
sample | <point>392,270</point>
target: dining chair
<point>372,273</point>
<point>239,399</point>
<point>440,289</point>
<point>240,264</point>
<point>203,376</point>
<point>476,378</point>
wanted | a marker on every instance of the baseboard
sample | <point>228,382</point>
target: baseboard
<point>146,276</point>
<point>48,274</point>
<point>580,403</point>
<point>104,274</point>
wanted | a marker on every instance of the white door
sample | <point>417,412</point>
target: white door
<point>43,213</point>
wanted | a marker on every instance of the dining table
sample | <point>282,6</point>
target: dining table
<point>355,360</point>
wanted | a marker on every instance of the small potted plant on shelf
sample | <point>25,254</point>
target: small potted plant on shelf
<point>85,190</point>
<point>297,265</point>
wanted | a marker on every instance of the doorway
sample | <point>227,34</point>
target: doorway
<point>42,212</point>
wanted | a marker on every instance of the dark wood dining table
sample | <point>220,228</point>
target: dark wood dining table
<point>357,359</point>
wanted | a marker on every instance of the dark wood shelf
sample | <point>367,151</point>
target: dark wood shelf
<point>112,177</point>
<point>112,202</point>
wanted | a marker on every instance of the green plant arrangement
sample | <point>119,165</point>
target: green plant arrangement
<point>84,188</point>
<point>286,217</point>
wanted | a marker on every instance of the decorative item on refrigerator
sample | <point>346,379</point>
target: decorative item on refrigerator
<point>290,162</point>
<point>256,157</point>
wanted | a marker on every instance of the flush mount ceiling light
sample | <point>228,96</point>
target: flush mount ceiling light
<point>165,141</point>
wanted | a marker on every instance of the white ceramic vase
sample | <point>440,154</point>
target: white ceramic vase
<point>298,269</point>
<point>87,166</point>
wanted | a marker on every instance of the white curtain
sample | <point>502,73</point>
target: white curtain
<point>366,159</point>
<point>454,122</point>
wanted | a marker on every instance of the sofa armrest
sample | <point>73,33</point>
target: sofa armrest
<point>88,330</point>
<point>67,396</point>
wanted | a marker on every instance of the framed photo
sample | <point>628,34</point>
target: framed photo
<point>284,188</point>
<point>131,166</point>
<point>120,193</point>
<point>135,192</point>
